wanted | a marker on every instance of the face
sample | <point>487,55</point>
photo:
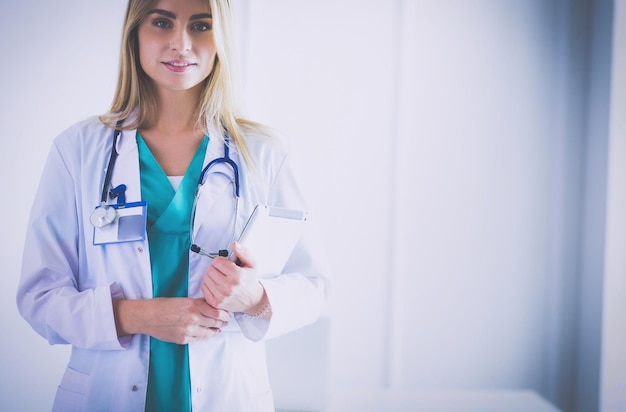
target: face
<point>176,45</point>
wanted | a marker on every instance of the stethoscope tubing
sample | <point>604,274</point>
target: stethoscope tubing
<point>107,214</point>
<point>111,165</point>
<point>226,159</point>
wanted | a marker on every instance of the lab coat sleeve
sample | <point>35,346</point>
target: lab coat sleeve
<point>297,295</point>
<point>49,295</point>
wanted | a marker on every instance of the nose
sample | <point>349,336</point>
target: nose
<point>180,40</point>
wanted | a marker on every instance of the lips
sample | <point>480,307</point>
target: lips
<point>178,66</point>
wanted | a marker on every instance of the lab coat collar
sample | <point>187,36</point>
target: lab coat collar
<point>127,142</point>
<point>216,138</point>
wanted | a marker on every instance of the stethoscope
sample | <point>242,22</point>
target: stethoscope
<point>203,175</point>
<point>105,214</point>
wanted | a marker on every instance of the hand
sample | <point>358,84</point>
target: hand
<point>232,287</point>
<point>176,320</point>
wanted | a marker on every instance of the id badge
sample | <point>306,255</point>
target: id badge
<point>129,225</point>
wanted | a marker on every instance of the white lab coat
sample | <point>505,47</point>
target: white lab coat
<point>67,283</point>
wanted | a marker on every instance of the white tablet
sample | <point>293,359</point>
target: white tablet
<point>270,236</point>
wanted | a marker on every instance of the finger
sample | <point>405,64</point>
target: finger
<point>216,297</point>
<point>217,270</point>
<point>212,323</point>
<point>243,256</point>
<point>202,334</point>
<point>210,311</point>
<point>222,287</point>
<point>219,314</point>
<point>218,281</point>
<point>208,317</point>
<point>221,271</point>
<point>209,296</point>
<point>213,281</point>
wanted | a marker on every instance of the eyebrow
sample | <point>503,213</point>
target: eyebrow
<point>171,15</point>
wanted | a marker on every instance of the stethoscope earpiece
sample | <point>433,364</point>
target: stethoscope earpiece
<point>102,216</point>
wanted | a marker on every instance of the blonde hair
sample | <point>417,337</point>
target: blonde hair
<point>219,106</point>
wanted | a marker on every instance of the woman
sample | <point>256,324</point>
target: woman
<point>153,326</point>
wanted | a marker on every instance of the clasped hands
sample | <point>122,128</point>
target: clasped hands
<point>230,286</point>
<point>226,287</point>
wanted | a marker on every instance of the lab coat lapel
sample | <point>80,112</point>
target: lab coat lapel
<point>126,170</point>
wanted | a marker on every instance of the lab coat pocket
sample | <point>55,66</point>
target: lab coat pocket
<point>71,391</point>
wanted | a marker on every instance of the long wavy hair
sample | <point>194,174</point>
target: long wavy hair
<point>135,98</point>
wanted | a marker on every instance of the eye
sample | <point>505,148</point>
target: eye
<point>201,26</point>
<point>162,23</point>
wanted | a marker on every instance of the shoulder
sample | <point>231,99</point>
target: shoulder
<point>265,148</point>
<point>91,126</point>
<point>83,134</point>
<point>83,143</point>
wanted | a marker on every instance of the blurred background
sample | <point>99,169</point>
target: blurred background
<point>465,160</point>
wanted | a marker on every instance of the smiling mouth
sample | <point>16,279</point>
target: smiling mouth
<point>178,65</point>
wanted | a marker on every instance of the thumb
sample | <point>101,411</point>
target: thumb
<point>242,256</point>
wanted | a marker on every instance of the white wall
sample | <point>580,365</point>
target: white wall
<point>473,169</point>
<point>60,64</point>
<point>440,143</point>
<point>467,124</point>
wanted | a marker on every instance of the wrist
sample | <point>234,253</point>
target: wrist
<point>264,313</point>
<point>126,314</point>
<point>262,310</point>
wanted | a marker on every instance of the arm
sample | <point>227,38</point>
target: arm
<point>296,296</point>
<point>70,298</point>
<point>177,320</point>
<point>299,293</point>
<point>52,295</point>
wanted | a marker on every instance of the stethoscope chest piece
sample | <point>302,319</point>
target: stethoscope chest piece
<point>102,216</point>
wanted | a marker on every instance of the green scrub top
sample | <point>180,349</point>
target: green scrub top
<point>169,215</point>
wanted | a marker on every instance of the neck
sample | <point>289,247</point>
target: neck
<point>176,113</point>
<point>173,137</point>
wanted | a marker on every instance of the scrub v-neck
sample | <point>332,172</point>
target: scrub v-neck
<point>169,214</point>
